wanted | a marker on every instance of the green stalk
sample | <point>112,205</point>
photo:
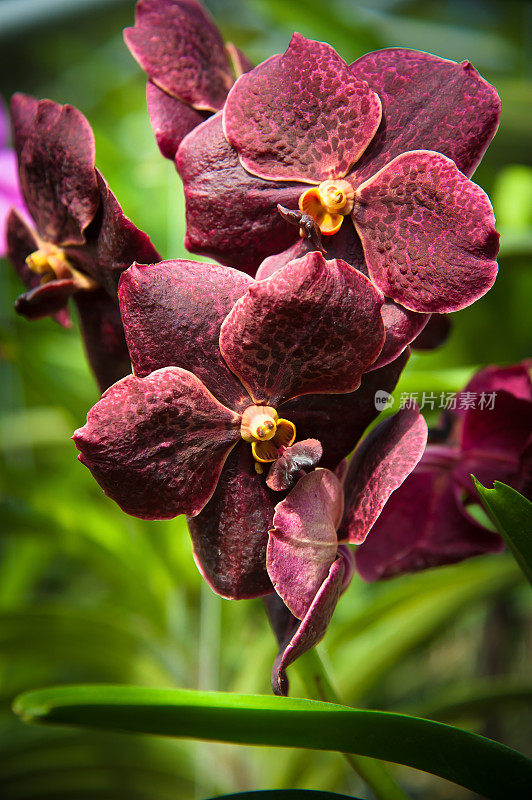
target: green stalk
<point>318,686</point>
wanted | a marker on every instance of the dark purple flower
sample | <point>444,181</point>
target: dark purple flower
<point>228,371</point>
<point>81,242</point>
<point>10,194</point>
<point>376,152</point>
<point>308,567</point>
<point>426,522</point>
<point>189,69</point>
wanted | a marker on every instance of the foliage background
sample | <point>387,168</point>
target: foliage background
<point>88,594</point>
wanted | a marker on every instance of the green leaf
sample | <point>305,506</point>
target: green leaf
<point>479,764</point>
<point>511,513</point>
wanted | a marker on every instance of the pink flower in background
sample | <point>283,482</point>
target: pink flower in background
<point>10,195</point>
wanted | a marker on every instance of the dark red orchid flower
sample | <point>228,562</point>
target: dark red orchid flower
<point>307,558</point>
<point>375,154</point>
<point>81,242</point>
<point>426,522</point>
<point>189,69</point>
<point>228,372</point>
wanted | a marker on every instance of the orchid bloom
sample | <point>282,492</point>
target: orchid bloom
<point>189,69</point>
<point>307,557</point>
<point>426,523</point>
<point>81,242</point>
<point>374,155</point>
<point>228,373</point>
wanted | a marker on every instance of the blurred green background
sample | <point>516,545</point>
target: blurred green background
<point>88,594</point>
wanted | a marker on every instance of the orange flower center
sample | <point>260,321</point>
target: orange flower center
<point>266,432</point>
<point>328,204</point>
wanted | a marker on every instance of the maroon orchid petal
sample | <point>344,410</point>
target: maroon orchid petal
<point>422,526</point>
<point>302,116</point>
<point>21,241</point>
<point>171,119</point>
<point>293,463</point>
<point>428,103</point>
<point>172,315</point>
<point>514,379</point>
<point>273,263</point>
<point>103,336</point>
<point>157,445</point>
<point>46,300</point>
<point>427,233</point>
<point>118,243</point>
<point>303,542</point>
<point>180,48</point>
<point>338,421</point>
<point>313,625</point>
<point>379,466</point>
<point>434,334</point>
<point>501,430</point>
<point>231,533</point>
<point>57,173</point>
<point>231,215</point>
<point>23,111</point>
<point>315,326</point>
<point>402,327</point>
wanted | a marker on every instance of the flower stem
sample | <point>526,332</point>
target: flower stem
<point>318,686</point>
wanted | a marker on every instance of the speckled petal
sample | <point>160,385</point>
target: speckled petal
<point>171,119</point>
<point>339,420</point>
<point>314,326</point>
<point>302,116</point>
<point>231,533</point>
<point>402,328</point>
<point>172,316</point>
<point>157,445</point>
<point>57,175</point>
<point>422,526</point>
<point>428,233</point>
<point>293,463</point>
<point>103,336</point>
<point>379,466</point>
<point>231,215</point>
<point>45,300</point>
<point>303,543</point>
<point>180,48</point>
<point>313,626</point>
<point>428,103</point>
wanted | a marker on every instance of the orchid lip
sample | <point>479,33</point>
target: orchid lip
<point>328,204</point>
<point>266,432</point>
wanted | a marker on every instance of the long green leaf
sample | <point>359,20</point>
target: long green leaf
<point>511,513</point>
<point>479,764</point>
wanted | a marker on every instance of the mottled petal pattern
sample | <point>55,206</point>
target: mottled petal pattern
<point>314,326</point>
<point>428,233</point>
<point>172,314</point>
<point>231,215</point>
<point>180,48</point>
<point>57,175</point>
<point>157,445</point>
<point>231,533</point>
<point>428,103</point>
<point>171,119</point>
<point>379,466</point>
<point>302,116</point>
<point>303,543</point>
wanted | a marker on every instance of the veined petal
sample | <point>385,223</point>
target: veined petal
<point>103,336</point>
<point>303,542</point>
<point>57,174</point>
<point>172,315</point>
<point>302,116</point>
<point>428,233</point>
<point>171,119</point>
<point>314,326</point>
<point>231,533</point>
<point>157,445</point>
<point>428,103</point>
<point>180,48</point>
<point>379,466</point>
<point>231,215</point>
